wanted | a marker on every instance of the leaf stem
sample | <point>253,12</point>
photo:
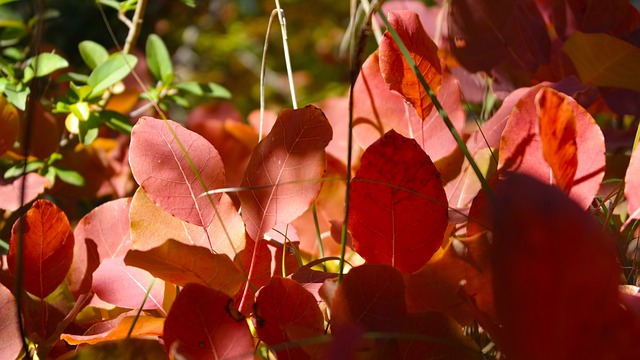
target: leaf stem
<point>287,58</point>
<point>436,103</point>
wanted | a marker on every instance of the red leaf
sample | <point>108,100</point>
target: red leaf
<point>101,234</point>
<point>632,185</point>
<point>521,149</point>
<point>203,324</point>
<point>284,170</point>
<point>395,195</point>
<point>376,110</point>
<point>555,278</point>
<point>47,248</point>
<point>161,168</point>
<point>396,70</point>
<point>151,227</point>
<point>181,264</point>
<point>284,313</point>
<point>558,135</point>
<point>10,341</point>
<point>256,263</point>
<point>10,190</point>
<point>126,286</point>
<point>370,297</point>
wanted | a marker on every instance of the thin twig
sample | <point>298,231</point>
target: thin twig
<point>287,58</point>
<point>263,70</point>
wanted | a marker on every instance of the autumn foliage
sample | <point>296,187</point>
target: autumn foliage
<point>217,242</point>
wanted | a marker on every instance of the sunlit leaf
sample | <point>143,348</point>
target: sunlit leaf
<point>162,169</point>
<point>10,342</point>
<point>118,328</point>
<point>396,70</point>
<point>395,195</point>
<point>632,185</point>
<point>108,73</point>
<point>558,136</point>
<point>43,65</point>
<point>284,171</point>
<point>603,60</point>
<point>158,59</point>
<point>10,190</point>
<point>181,264</point>
<point>92,53</point>
<point>203,324</point>
<point>286,312</point>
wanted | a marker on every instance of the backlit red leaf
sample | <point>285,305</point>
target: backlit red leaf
<point>398,206</point>
<point>159,164</point>
<point>558,136</point>
<point>632,185</point>
<point>284,313</point>
<point>10,190</point>
<point>604,60</point>
<point>255,261</point>
<point>284,171</point>
<point>555,278</point>
<point>47,247</point>
<point>10,341</point>
<point>521,148</point>
<point>203,324</point>
<point>396,71</point>
<point>151,227</point>
<point>181,264</point>
<point>370,296</point>
<point>126,286</point>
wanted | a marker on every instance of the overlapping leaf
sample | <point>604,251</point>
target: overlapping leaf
<point>286,312</point>
<point>397,72</point>
<point>632,185</point>
<point>398,206</point>
<point>284,171</point>
<point>118,328</point>
<point>180,264</point>
<point>521,148</point>
<point>556,278</point>
<point>160,165</point>
<point>203,324</point>
<point>10,190</point>
<point>47,241</point>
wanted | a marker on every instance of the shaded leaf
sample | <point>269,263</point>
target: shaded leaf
<point>284,171</point>
<point>396,71</point>
<point>47,248</point>
<point>118,328</point>
<point>371,295</point>
<point>126,349</point>
<point>10,341</point>
<point>632,185</point>
<point>603,60</point>
<point>10,190</point>
<point>558,136</point>
<point>151,226</point>
<point>548,256</point>
<point>181,264</point>
<point>521,148</point>
<point>161,168</point>
<point>204,324</point>
<point>8,125</point>
<point>126,286</point>
<point>285,312</point>
<point>395,195</point>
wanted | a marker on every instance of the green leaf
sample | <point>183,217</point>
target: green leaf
<point>116,68</point>
<point>189,3</point>
<point>69,176</point>
<point>72,76</point>
<point>110,3</point>
<point>92,53</point>
<point>17,94</point>
<point>18,169</point>
<point>88,130</point>
<point>159,60</point>
<point>2,2</point>
<point>209,90</point>
<point>44,64</point>
<point>116,121</point>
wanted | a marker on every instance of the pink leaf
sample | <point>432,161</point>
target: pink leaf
<point>632,185</point>
<point>10,190</point>
<point>10,341</point>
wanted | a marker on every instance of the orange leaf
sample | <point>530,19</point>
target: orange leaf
<point>8,125</point>
<point>284,170</point>
<point>47,248</point>
<point>181,264</point>
<point>558,135</point>
<point>117,328</point>
<point>125,349</point>
<point>396,71</point>
<point>395,195</point>
<point>204,324</point>
<point>285,312</point>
